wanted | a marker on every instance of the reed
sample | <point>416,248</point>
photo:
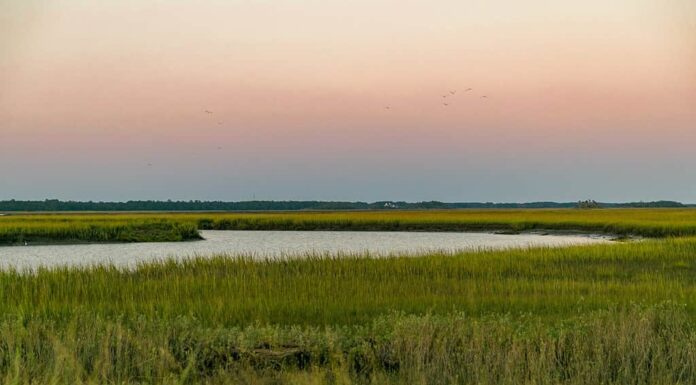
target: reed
<point>35,230</point>
<point>635,345</point>
<point>607,314</point>
<point>67,228</point>
<point>227,291</point>
<point>641,222</point>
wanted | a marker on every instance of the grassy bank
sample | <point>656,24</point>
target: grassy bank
<point>79,229</point>
<point>182,226</point>
<point>642,222</point>
<point>550,283</point>
<point>596,314</point>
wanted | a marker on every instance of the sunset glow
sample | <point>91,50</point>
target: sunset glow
<point>106,100</point>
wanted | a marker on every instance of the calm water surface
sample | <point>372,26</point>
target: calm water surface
<point>275,244</point>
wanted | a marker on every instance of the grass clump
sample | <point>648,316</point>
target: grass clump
<point>86,230</point>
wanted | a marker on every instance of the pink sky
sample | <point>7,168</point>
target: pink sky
<point>585,99</point>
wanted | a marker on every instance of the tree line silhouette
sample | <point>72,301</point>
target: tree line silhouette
<point>268,205</point>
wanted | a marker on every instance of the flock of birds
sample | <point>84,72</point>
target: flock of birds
<point>445,103</point>
<point>445,100</point>
<point>210,113</point>
<point>219,123</point>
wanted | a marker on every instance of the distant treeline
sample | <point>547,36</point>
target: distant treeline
<point>195,205</point>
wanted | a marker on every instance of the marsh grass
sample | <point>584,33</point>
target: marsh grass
<point>636,345</point>
<point>15,229</point>
<point>226,291</point>
<point>606,314</point>
<point>52,230</point>
<point>640,222</point>
<point>603,314</point>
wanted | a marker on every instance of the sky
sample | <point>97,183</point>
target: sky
<point>343,100</point>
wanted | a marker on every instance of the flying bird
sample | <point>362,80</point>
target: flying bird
<point>484,96</point>
<point>387,108</point>
<point>445,104</point>
<point>208,112</point>
<point>453,92</point>
<point>468,89</point>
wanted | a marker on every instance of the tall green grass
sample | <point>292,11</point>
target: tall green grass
<point>635,345</point>
<point>223,291</point>
<point>37,230</point>
<point>602,314</point>
<point>181,226</point>
<point>614,314</point>
<point>642,222</point>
